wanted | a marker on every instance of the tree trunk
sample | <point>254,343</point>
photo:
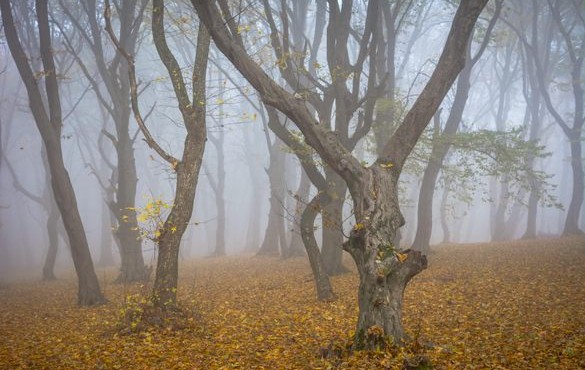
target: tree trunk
<point>443,213</point>
<point>53,233</point>
<point>332,216</point>
<point>220,203</point>
<point>441,146</point>
<point>384,270</point>
<point>572,220</point>
<point>219,187</point>
<point>271,243</point>
<point>167,270</point>
<point>322,284</point>
<point>164,294</point>
<point>532,213</point>
<point>424,225</point>
<point>296,248</point>
<point>132,262</point>
<point>107,222</point>
<point>499,231</point>
<point>513,220</point>
<point>88,290</point>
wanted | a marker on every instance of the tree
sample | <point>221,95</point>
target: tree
<point>47,202</point>
<point>114,97</point>
<point>384,270</point>
<point>274,237</point>
<point>218,185</point>
<point>49,122</point>
<point>440,147</point>
<point>193,111</point>
<point>334,99</point>
<point>568,19</point>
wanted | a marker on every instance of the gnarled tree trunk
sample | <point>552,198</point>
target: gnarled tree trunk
<point>384,269</point>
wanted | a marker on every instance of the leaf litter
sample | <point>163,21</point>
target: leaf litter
<point>510,305</point>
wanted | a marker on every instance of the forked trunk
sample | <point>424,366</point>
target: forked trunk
<point>384,269</point>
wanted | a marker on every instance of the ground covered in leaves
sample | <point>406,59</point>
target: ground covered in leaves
<point>517,305</point>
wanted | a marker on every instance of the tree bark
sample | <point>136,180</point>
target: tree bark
<point>296,248</point>
<point>332,216</point>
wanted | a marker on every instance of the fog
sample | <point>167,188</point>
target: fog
<point>499,98</point>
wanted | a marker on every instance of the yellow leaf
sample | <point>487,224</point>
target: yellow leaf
<point>401,256</point>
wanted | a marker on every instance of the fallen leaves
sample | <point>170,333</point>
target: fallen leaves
<point>513,305</point>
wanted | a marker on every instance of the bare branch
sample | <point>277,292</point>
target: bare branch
<point>134,92</point>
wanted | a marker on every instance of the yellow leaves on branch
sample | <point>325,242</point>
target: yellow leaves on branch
<point>151,218</point>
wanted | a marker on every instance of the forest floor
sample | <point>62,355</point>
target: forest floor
<point>514,305</point>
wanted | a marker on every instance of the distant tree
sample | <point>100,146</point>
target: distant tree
<point>105,172</point>
<point>440,148</point>
<point>218,182</point>
<point>274,241</point>
<point>384,269</point>
<point>568,18</point>
<point>301,196</point>
<point>47,202</point>
<point>193,111</point>
<point>48,119</point>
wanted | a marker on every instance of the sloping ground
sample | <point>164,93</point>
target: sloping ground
<point>516,305</point>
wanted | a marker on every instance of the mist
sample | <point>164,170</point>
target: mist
<point>137,139</point>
